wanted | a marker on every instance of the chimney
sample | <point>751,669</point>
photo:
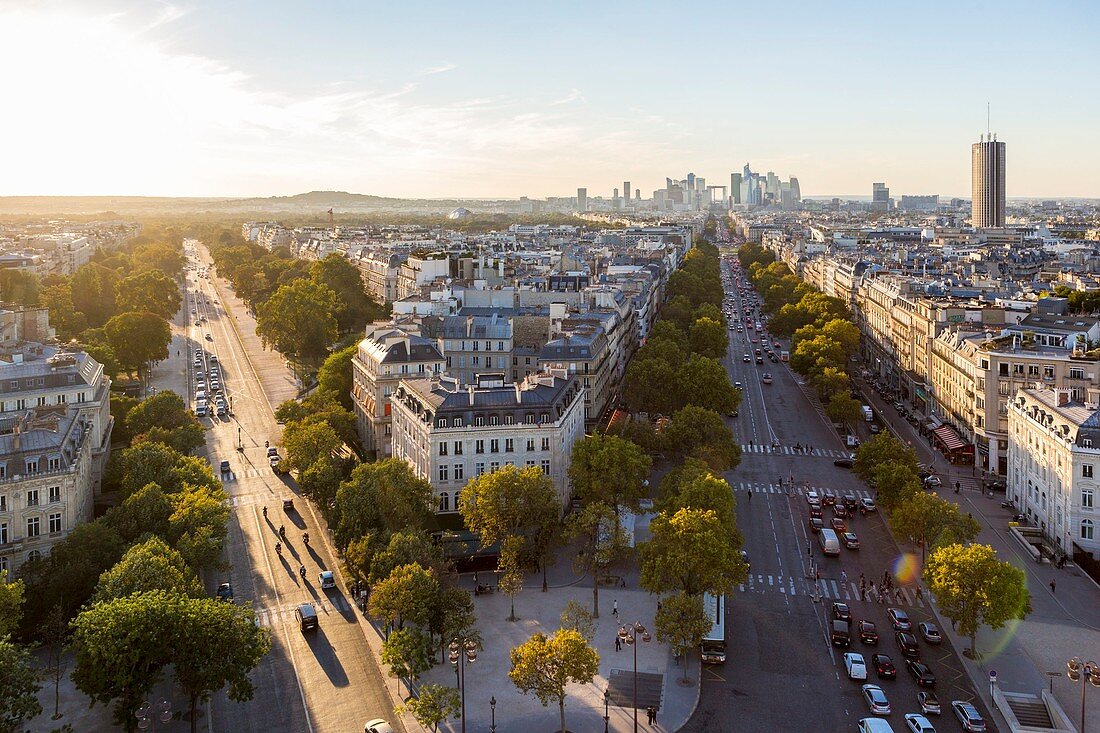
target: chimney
<point>1093,398</point>
<point>1063,397</point>
<point>470,393</point>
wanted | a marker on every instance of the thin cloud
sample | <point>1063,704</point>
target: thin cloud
<point>443,69</point>
<point>573,96</point>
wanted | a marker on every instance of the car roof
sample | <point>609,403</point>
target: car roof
<point>326,573</point>
<point>307,608</point>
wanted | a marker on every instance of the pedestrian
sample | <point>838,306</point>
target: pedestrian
<point>649,715</point>
<point>618,643</point>
<point>862,593</point>
<point>1052,584</point>
<point>615,608</point>
<point>843,577</point>
<point>862,580</point>
<point>658,606</point>
<point>920,594</point>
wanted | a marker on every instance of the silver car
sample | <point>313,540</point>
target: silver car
<point>876,700</point>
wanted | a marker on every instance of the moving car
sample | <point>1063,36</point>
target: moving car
<point>839,526</point>
<point>767,378</point>
<point>899,619</point>
<point>816,524</point>
<point>288,505</point>
<point>307,616</point>
<point>922,673</point>
<point>812,496</point>
<point>907,644</point>
<point>969,717</point>
<point>929,703</point>
<point>868,634</point>
<point>876,699</point>
<point>225,592</point>
<point>828,498</point>
<point>746,358</point>
<point>841,511</point>
<point>839,634</point>
<point>841,612</point>
<point>377,726</point>
<point>929,631</point>
<point>917,723</point>
<point>874,725</point>
<point>867,506</point>
<point>850,540</point>
<point>855,666</point>
<point>884,666</point>
<point>327,579</point>
<point>843,463</point>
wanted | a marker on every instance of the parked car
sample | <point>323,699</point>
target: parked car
<point>899,619</point>
<point>876,699</point>
<point>922,673</point>
<point>884,666</point>
<point>929,632</point>
<point>929,703</point>
<point>969,717</point>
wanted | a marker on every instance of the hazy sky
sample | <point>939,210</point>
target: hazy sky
<point>424,99</point>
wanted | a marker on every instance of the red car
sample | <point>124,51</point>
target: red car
<point>839,525</point>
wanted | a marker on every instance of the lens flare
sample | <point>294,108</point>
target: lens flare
<point>906,568</point>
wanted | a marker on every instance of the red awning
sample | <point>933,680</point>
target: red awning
<point>948,437</point>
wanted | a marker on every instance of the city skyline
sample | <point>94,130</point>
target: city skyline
<point>124,97</point>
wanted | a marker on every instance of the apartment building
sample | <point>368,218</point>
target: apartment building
<point>47,479</point>
<point>386,355</point>
<point>473,343</point>
<point>584,353</point>
<point>1054,465</point>
<point>449,432</point>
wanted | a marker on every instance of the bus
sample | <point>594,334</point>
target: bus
<point>713,648</point>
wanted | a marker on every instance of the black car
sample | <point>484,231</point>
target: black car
<point>844,462</point>
<point>884,666</point>
<point>921,673</point>
<point>841,612</point>
<point>868,634</point>
<point>907,644</point>
<point>225,592</point>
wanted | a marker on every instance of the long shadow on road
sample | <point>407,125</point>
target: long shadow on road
<point>325,655</point>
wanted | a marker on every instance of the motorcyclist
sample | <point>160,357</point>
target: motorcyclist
<point>278,548</point>
<point>265,512</point>
<point>305,538</point>
<point>302,571</point>
<point>282,531</point>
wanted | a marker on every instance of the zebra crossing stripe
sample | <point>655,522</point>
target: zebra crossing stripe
<point>826,588</point>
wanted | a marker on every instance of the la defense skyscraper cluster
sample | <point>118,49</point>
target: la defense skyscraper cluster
<point>987,186</point>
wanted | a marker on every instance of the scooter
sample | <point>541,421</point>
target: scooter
<point>1008,504</point>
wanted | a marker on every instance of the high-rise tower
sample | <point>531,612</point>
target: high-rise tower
<point>987,183</point>
<point>582,199</point>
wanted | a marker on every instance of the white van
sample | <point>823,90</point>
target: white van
<point>830,545</point>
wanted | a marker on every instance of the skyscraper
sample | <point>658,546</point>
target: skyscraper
<point>987,183</point>
<point>626,190</point>
<point>582,199</point>
<point>880,197</point>
<point>735,188</point>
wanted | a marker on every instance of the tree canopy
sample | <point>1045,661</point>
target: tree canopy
<point>546,665</point>
<point>690,551</point>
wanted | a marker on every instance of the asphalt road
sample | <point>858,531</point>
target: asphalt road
<point>321,681</point>
<point>782,672</point>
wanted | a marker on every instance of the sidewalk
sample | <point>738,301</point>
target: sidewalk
<point>658,672</point>
<point>1062,623</point>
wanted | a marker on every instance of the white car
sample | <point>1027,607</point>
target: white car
<point>874,725</point>
<point>812,496</point>
<point>856,667</point>
<point>917,723</point>
<point>327,579</point>
<point>378,725</point>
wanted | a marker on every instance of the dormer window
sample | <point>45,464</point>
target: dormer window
<point>456,422</point>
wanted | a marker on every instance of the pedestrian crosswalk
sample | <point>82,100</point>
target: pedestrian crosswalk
<point>271,617</point>
<point>790,450</point>
<point>800,490</point>
<point>831,589</point>
<point>231,476</point>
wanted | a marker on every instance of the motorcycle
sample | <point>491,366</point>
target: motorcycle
<point>1008,504</point>
<point>305,538</point>
<point>279,548</point>
<point>282,531</point>
<point>302,571</point>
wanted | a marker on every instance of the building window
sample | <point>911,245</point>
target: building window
<point>546,466</point>
<point>1086,529</point>
<point>443,448</point>
<point>494,466</point>
<point>443,473</point>
<point>55,523</point>
<point>458,447</point>
<point>33,555</point>
<point>479,446</point>
<point>494,446</point>
<point>1048,372</point>
<point>509,445</point>
<point>32,467</point>
<point>460,472</point>
<point>531,444</point>
<point>1087,499</point>
<point>492,419</point>
<point>55,494</point>
<point>444,502</point>
<point>479,421</point>
<point>441,422</point>
<point>544,417</point>
<point>1076,373</point>
<point>1033,370</point>
<point>530,462</point>
<point>508,419</point>
<point>456,422</point>
<point>529,418</point>
<point>1086,470</point>
<point>3,533</point>
<point>546,444</point>
<point>34,526</point>
<point>479,468</point>
<point>32,497</point>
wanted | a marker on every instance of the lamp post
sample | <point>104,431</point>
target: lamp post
<point>461,652</point>
<point>630,634</point>
<point>1082,671</point>
<point>606,709</point>
<point>493,713</point>
<point>148,714</point>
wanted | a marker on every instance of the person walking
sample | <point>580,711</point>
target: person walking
<point>618,643</point>
<point>615,608</point>
<point>1052,584</point>
<point>843,577</point>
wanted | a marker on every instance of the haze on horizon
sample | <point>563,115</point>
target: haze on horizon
<point>434,100</point>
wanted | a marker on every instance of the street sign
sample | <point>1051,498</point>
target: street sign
<point>992,675</point>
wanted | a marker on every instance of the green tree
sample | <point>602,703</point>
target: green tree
<point>198,525</point>
<point>93,292</point>
<point>157,463</point>
<point>106,356</point>
<point>432,705</point>
<point>354,308</point>
<point>150,291</point>
<point>382,497</point>
<point>843,408</point>
<point>710,492</point>
<point>334,376</point>
<point>11,604</point>
<point>509,572</point>
<point>547,665</point>
<point>406,595</point>
<point>512,502</point>
<point>701,433</point>
<point>708,338</point>
<point>704,382</point>
<point>17,286</point>
<point>895,482</point>
<point>923,519</point>
<point>159,257</point>
<point>147,510</point>
<point>830,383</point>
<point>577,618</point>
<point>451,614</point>
<point>164,418</point>
<point>682,622</point>
<point>880,449</point>
<point>408,653</point>
<point>138,339</point>
<point>609,469</point>
<point>299,321</point>
<point>151,565</point>
<point>812,356</point>
<point>603,543</point>
<point>216,645</point>
<point>58,299</point>
<point>404,548</point>
<point>305,442</point>
<point>690,551</point>
<point>974,589</point>
<point>844,332</point>
<point>646,386</point>
<point>18,687</point>
<point>321,480</point>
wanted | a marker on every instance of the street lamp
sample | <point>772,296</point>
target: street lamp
<point>1078,671</point>
<point>461,652</point>
<point>148,714</point>
<point>606,708</point>
<point>493,713</point>
<point>629,634</point>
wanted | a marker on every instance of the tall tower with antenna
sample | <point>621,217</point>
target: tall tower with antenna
<point>987,180</point>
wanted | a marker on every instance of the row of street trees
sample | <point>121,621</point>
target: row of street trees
<point>823,337</point>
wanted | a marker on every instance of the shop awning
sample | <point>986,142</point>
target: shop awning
<point>948,438</point>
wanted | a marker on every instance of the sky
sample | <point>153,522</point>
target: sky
<point>505,99</point>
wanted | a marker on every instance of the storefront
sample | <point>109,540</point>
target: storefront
<point>958,451</point>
